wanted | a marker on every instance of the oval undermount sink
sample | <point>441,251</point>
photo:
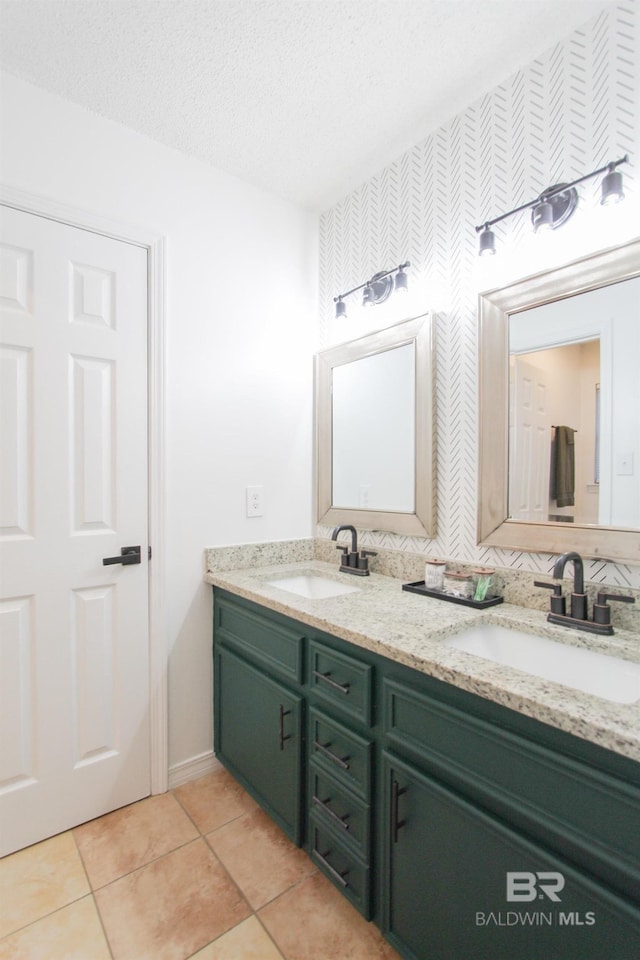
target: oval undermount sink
<point>604,676</point>
<point>312,586</point>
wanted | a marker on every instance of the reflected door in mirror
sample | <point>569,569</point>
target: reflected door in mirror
<point>574,409</point>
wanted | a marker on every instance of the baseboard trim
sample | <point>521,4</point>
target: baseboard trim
<point>193,768</point>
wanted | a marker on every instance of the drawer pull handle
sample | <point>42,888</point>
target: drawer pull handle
<point>338,877</point>
<point>396,793</point>
<point>332,756</point>
<point>327,809</point>
<point>342,687</point>
<point>283,713</point>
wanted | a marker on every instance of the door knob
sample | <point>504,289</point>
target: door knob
<point>128,555</point>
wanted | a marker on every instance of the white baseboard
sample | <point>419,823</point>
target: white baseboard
<point>193,768</point>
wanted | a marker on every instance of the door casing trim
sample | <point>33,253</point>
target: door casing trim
<point>155,246</point>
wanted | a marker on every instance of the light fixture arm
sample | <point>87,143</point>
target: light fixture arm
<point>552,192</point>
<point>376,277</point>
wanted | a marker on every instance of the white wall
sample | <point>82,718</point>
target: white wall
<point>241,268</point>
<point>565,114</point>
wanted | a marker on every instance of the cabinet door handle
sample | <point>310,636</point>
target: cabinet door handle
<point>342,687</point>
<point>332,756</point>
<point>283,713</point>
<point>396,793</point>
<point>327,809</point>
<point>338,877</point>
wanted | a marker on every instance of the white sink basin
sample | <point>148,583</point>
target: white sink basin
<point>312,586</point>
<point>604,676</point>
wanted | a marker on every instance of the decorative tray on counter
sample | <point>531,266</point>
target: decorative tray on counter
<point>419,587</point>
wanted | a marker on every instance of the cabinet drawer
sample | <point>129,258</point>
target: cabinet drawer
<point>341,680</point>
<point>342,866</point>
<point>534,787</point>
<point>340,753</point>
<point>275,646</point>
<point>334,806</point>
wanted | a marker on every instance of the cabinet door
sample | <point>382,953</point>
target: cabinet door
<point>258,736</point>
<point>459,883</point>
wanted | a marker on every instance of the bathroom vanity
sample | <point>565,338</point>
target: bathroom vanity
<point>469,809</point>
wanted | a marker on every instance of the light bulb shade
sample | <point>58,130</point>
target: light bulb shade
<point>368,298</point>
<point>487,243</point>
<point>612,191</point>
<point>341,310</point>
<point>401,281</point>
<point>542,216</point>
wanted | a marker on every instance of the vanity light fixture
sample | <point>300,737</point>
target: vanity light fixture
<point>612,191</point>
<point>556,204</point>
<point>401,283</point>
<point>376,290</point>
<point>487,241</point>
<point>341,309</point>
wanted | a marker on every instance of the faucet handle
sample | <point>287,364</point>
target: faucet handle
<point>362,562</point>
<point>344,559</point>
<point>603,597</point>
<point>602,610</point>
<point>558,603</point>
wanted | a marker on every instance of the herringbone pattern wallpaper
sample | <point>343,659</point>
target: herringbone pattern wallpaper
<point>564,115</point>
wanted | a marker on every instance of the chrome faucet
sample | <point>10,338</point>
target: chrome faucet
<point>352,562</point>
<point>579,617</point>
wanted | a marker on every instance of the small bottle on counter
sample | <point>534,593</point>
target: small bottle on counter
<point>434,574</point>
<point>459,584</point>
<point>482,577</point>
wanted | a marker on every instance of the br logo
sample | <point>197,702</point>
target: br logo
<point>522,885</point>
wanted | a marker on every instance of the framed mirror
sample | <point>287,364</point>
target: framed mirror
<point>571,333</point>
<point>374,431</point>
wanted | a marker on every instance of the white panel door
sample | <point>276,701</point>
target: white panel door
<point>74,645</point>
<point>529,443</point>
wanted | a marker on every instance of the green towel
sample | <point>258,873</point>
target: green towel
<point>563,470</point>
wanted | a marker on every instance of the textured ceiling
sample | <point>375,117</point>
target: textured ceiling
<point>307,98</point>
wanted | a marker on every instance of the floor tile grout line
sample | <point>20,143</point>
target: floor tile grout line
<point>292,886</point>
<point>104,929</point>
<point>147,863</point>
<point>237,887</point>
<point>273,940</point>
<point>198,828</point>
<point>45,916</point>
<point>95,902</point>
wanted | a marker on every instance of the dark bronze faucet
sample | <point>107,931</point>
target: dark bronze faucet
<point>352,562</point>
<point>579,616</point>
<point>578,597</point>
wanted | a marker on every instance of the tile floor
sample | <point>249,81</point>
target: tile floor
<point>200,872</point>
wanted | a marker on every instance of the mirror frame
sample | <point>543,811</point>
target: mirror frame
<point>495,529</point>
<point>419,331</point>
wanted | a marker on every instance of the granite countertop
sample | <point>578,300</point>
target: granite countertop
<point>409,629</point>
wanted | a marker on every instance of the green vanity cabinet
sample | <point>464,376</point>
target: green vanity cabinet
<point>502,838</point>
<point>464,829</point>
<point>449,870</point>
<point>258,718</point>
<point>260,738</point>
